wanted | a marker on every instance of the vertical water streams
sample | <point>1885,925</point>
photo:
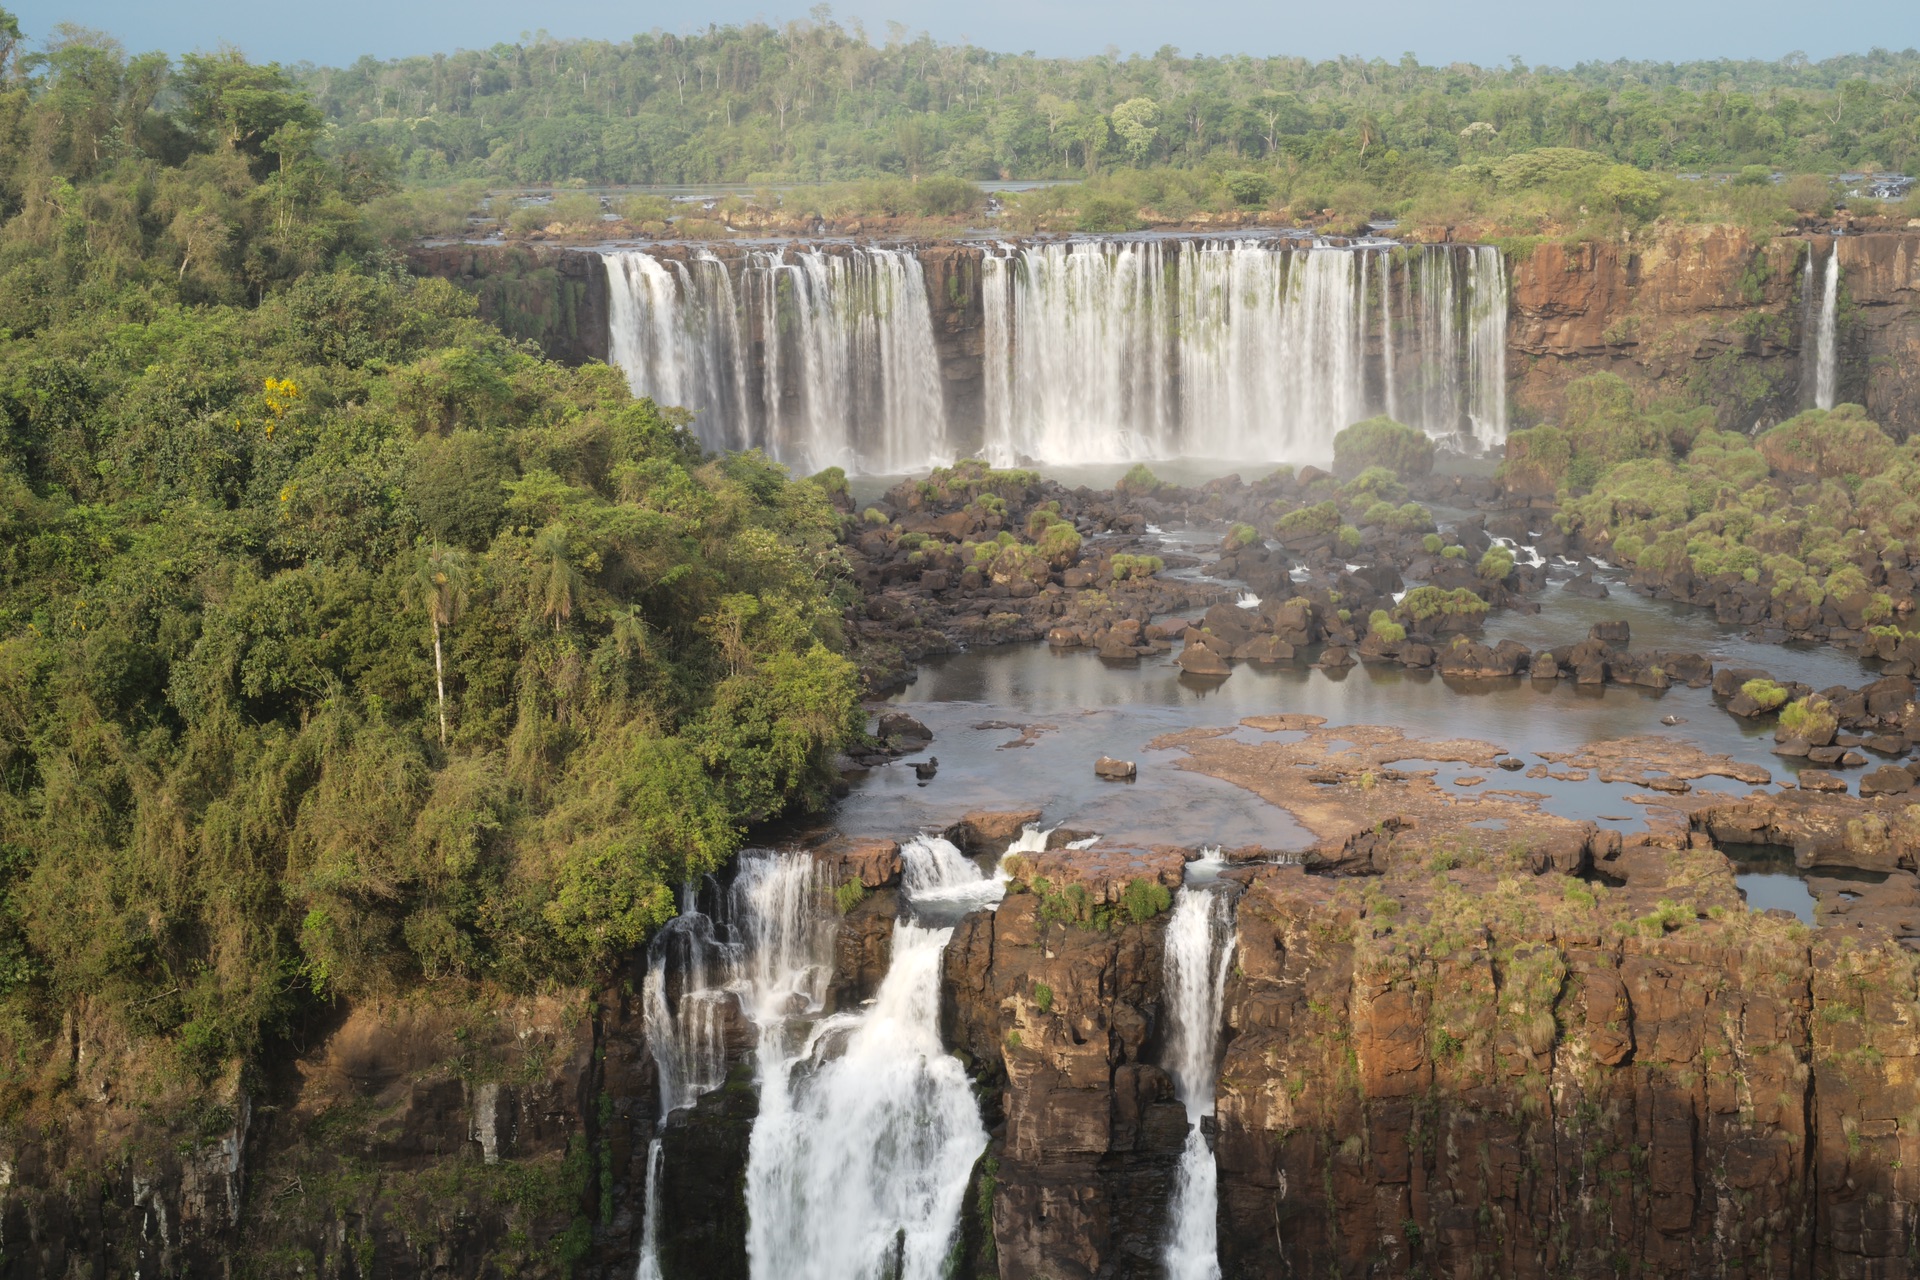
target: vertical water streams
<point>1826,364</point>
<point>1199,952</point>
<point>1100,350</point>
<point>821,358</point>
<point>769,952</point>
<point>868,1129</point>
<point>1487,346</point>
<point>867,1135</point>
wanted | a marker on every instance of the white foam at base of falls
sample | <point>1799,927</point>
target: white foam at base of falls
<point>1199,951</point>
<point>866,1138</point>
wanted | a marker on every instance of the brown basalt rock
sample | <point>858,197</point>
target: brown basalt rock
<point>1062,1017</point>
<point>874,862</point>
<point>1198,659</point>
<point>1104,871</point>
<point>1376,1080</point>
<point>989,832</point>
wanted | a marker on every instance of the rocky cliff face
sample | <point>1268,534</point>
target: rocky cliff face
<point>1450,1061</point>
<point>1711,313</point>
<point>1511,1089</point>
<point>1065,1020</point>
<point>554,298</point>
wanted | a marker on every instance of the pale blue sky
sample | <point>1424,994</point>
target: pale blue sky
<point>1484,31</point>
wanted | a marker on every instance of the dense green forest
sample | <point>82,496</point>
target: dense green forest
<point>813,101</point>
<point>344,644</point>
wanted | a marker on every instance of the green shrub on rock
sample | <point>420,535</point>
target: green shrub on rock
<point>1764,694</point>
<point>1811,719</point>
<point>1309,522</point>
<point>1144,899</point>
<point>1840,442</point>
<point>1382,442</point>
<point>1127,568</point>
<point>1383,628</point>
<point>1375,482</point>
<point>1423,604</point>
<point>1060,544</point>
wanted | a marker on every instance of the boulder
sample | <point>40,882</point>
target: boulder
<point>1584,586</point>
<point>1887,780</point>
<point>1727,680</point>
<point>1114,770</point>
<point>1268,650</point>
<point>1199,660</point>
<point>990,831</point>
<point>899,727</point>
<point>1614,632</point>
<point>873,861</point>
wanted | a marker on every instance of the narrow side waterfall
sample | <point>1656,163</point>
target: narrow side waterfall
<point>768,955</point>
<point>1826,364</point>
<point>1199,953</point>
<point>821,357</point>
<point>1244,349</point>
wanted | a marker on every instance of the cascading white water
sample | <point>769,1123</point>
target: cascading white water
<point>1199,952</point>
<point>1093,351</point>
<point>1077,353</point>
<point>1826,362</point>
<point>775,962</point>
<point>846,372</point>
<point>1270,350</point>
<point>1111,351</point>
<point>866,1137</point>
<point>649,1268</point>
<point>1487,347</point>
<point>673,329</point>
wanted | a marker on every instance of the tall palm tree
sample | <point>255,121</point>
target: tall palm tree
<point>558,580</point>
<point>438,585</point>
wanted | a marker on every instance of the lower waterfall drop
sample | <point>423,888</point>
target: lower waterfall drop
<point>1199,951</point>
<point>867,1136</point>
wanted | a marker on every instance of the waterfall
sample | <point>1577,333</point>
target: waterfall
<point>1826,371</point>
<point>1243,349</point>
<point>650,1222</point>
<point>1085,335</point>
<point>770,950</point>
<point>867,1136</point>
<point>673,329</point>
<point>822,358</point>
<point>1487,347</point>
<point>1092,351</point>
<point>1199,950</point>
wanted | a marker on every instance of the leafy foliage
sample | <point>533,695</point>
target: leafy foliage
<point>1382,443</point>
<point>263,497</point>
<point>813,100</point>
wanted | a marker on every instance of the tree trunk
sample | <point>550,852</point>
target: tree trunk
<point>440,681</point>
